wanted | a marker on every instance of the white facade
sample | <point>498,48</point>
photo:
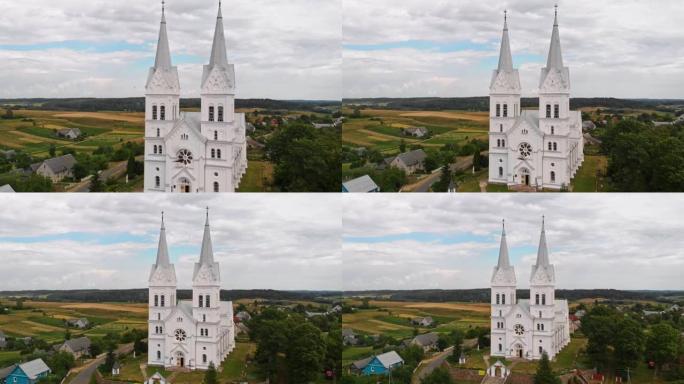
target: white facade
<point>527,328</point>
<point>540,148</point>
<point>188,333</point>
<point>202,151</point>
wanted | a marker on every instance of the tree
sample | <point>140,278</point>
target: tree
<point>96,184</point>
<point>430,164</point>
<point>402,146</point>
<point>628,343</point>
<point>544,373</point>
<point>476,160</point>
<point>444,181</point>
<point>412,355</point>
<point>106,367</point>
<point>457,339</point>
<point>305,352</point>
<point>210,376</point>
<point>60,363</point>
<point>95,349</point>
<point>438,376</point>
<point>9,113</point>
<point>139,346</point>
<point>67,334</point>
<point>131,167</point>
<point>442,342</point>
<point>333,352</point>
<point>662,343</point>
<point>52,150</point>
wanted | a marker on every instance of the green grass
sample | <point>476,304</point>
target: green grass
<point>41,132</point>
<point>470,182</point>
<point>497,188</point>
<point>9,358</point>
<point>258,177</point>
<point>48,320</point>
<point>586,179</point>
<point>234,367</point>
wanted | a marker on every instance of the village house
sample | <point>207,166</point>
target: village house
<point>76,347</point>
<point>349,337</point>
<point>157,378</point>
<point>69,133</point>
<point>423,321</point>
<point>588,125</point>
<point>6,189</point>
<point>410,162</point>
<point>56,168</point>
<point>363,184</point>
<point>78,323</point>
<point>418,132</point>
<point>427,341</point>
<point>3,340</point>
<point>26,373</point>
<point>243,316</point>
<point>116,368</point>
<point>381,364</point>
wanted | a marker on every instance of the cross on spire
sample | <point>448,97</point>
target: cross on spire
<point>163,3</point>
<point>162,215</point>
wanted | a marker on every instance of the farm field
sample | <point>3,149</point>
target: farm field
<point>380,129</point>
<point>33,131</point>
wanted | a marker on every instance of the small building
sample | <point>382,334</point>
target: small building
<point>56,168</point>
<point>6,189</point>
<point>358,366</point>
<point>423,321</point>
<point>410,162</point>
<point>4,372</point>
<point>157,378</point>
<point>116,369</point>
<point>77,347</point>
<point>250,128</point>
<point>588,125</point>
<point>243,316</point>
<point>580,313</point>
<point>322,125</point>
<point>81,323</point>
<point>418,132</point>
<point>70,133</point>
<point>349,337</point>
<point>383,364</point>
<point>427,341</point>
<point>3,340</point>
<point>28,373</point>
<point>363,184</point>
<point>8,153</point>
<point>499,370</point>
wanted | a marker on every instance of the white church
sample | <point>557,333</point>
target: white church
<point>193,151</point>
<point>193,333</point>
<point>527,328</point>
<point>537,148</point>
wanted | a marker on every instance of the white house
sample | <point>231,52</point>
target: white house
<point>539,148</point>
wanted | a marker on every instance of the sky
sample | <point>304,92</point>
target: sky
<point>287,49</point>
<point>447,241</point>
<point>448,48</point>
<point>109,241</point>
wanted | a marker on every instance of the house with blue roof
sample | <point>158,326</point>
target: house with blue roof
<point>28,373</point>
<point>382,364</point>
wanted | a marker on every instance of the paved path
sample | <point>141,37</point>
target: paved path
<point>431,364</point>
<point>83,377</point>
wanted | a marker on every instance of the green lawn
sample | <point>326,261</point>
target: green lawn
<point>258,177</point>
<point>497,188</point>
<point>586,179</point>
<point>470,182</point>
<point>235,367</point>
<point>9,358</point>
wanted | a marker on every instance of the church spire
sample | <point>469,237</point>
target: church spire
<point>162,249</point>
<point>207,254</point>
<point>503,249</point>
<point>555,59</point>
<point>219,56</point>
<point>505,58</point>
<point>163,58</point>
<point>543,252</point>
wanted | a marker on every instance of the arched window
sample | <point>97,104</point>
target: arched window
<point>201,301</point>
<point>536,299</point>
<point>215,135</point>
<point>503,299</point>
<point>503,142</point>
<point>154,112</point>
<point>218,153</point>
<point>548,111</point>
<point>161,329</point>
<point>162,300</point>
<point>157,132</point>
<point>207,300</point>
<point>155,149</point>
<point>498,142</point>
<point>500,127</point>
<point>160,149</point>
<point>553,176</point>
<point>540,350</point>
<point>204,318</point>
<point>498,110</point>
<point>497,298</point>
<point>550,145</point>
<point>162,113</point>
<point>204,358</point>
<point>505,110</point>
<point>552,130</point>
<point>157,182</point>
<point>158,355</point>
<point>158,316</point>
<point>213,153</point>
<point>211,113</point>
<point>499,347</point>
<point>555,146</point>
<point>156,297</point>
<point>543,299</point>
<point>220,113</point>
<point>556,111</point>
<point>216,186</point>
<point>500,171</point>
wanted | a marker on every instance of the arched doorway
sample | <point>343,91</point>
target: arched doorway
<point>180,359</point>
<point>525,176</point>
<point>184,185</point>
<point>518,350</point>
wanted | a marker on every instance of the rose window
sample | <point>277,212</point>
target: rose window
<point>180,335</point>
<point>184,157</point>
<point>519,329</point>
<point>525,150</point>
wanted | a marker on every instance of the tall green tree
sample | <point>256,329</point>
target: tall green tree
<point>96,184</point>
<point>52,150</point>
<point>438,376</point>
<point>305,352</point>
<point>544,373</point>
<point>628,343</point>
<point>402,146</point>
<point>210,376</point>
<point>662,343</point>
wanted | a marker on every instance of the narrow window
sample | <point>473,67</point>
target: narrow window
<point>498,142</point>
<point>556,110</point>
<point>157,132</point>
<point>543,299</point>
<point>503,142</point>
<point>161,329</point>
<point>215,135</point>
<point>555,146</point>
<point>158,316</point>
<point>213,153</point>
<point>204,358</point>
<point>498,110</point>
<point>499,347</point>
<point>211,113</point>
<point>157,182</point>
<point>220,113</point>
<point>154,112</point>
<point>548,111</point>
<point>540,350</point>
<point>155,149</point>
<point>156,297</point>
<point>162,300</point>
<point>497,298</point>
<point>207,300</point>
<point>503,299</point>
<point>204,318</point>
<point>552,129</point>
<point>216,186</point>
<point>540,314</point>
<point>218,153</point>
<point>536,299</point>
<point>505,110</point>
<point>553,176</point>
<point>162,113</point>
<point>550,146</point>
<point>500,127</point>
<point>201,301</point>
<point>158,355</point>
<point>160,149</point>
<point>500,171</point>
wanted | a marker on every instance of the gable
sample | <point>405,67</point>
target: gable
<point>160,81</point>
<point>219,80</point>
<point>17,372</point>
<point>182,127</point>
<point>555,80</point>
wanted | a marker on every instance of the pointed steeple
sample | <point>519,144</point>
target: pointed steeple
<point>503,249</point>
<point>555,59</point>
<point>163,58</point>
<point>162,249</point>
<point>542,252</point>
<point>505,58</point>
<point>219,56</point>
<point>207,254</point>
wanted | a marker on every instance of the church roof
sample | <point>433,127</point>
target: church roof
<point>503,249</point>
<point>543,251</point>
<point>555,58</point>
<point>207,254</point>
<point>504,273</point>
<point>206,262</point>
<point>163,57</point>
<point>162,249</point>
<point>163,270</point>
<point>542,270</point>
<point>219,55</point>
<point>505,58</point>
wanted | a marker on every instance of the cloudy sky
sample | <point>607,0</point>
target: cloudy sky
<point>452,241</point>
<point>287,49</point>
<point>448,48</point>
<point>110,241</point>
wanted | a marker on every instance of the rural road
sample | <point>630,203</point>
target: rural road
<point>462,163</point>
<point>117,170</point>
<point>432,364</point>
<point>83,377</point>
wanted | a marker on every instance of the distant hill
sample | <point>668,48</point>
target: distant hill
<point>137,104</point>
<point>481,103</point>
<point>482,295</point>
<point>140,295</point>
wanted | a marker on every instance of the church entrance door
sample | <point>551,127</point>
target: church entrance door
<point>184,185</point>
<point>180,359</point>
<point>518,350</point>
<point>525,173</point>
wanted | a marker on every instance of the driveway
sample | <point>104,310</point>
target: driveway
<point>83,377</point>
<point>429,365</point>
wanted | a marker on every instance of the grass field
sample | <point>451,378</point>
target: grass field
<point>258,178</point>
<point>381,129</point>
<point>34,131</point>
<point>587,179</point>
